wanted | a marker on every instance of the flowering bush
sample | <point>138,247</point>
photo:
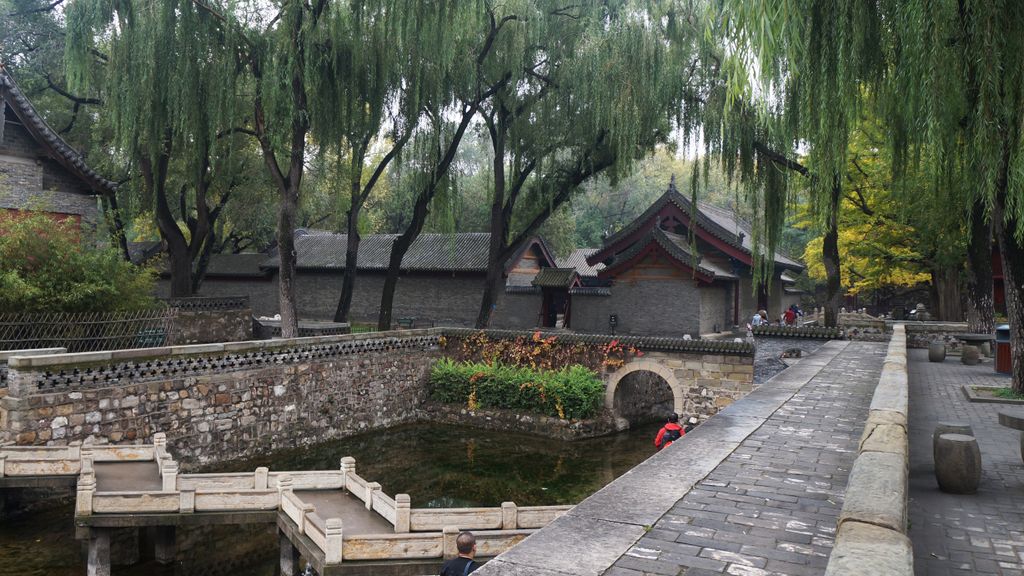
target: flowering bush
<point>573,392</point>
<point>46,267</point>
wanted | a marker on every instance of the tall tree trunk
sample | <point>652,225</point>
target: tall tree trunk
<point>419,217</point>
<point>1013,268</point>
<point>288,183</point>
<point>830,256</point>
<point>348,279</point>
<point>179,259</point>
<point>115,224</point>
<point>980,301</point>
<point>499,232</point>
<point>946,293</point>
<point>287,209</point>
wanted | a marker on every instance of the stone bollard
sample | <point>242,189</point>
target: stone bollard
<point>986,349</point>
<point>936,352</point>
<point>970,355</point>
<point>958,464</point>
<point>948,428</point>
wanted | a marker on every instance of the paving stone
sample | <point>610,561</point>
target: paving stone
<point>771,506</point>
<point>963,534</point>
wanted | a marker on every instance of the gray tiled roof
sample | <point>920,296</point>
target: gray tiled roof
<point>719,222</point>
<point>246,265</point>
<point>462,252</point>
<point>555,277</point>
<point>59,150</point>
<point>578,260</point>
<point>676,247</point>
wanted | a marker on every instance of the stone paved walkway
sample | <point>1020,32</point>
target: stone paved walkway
<point>771,506</point>
<point>977,534</point>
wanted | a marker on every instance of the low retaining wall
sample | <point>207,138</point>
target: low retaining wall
<point>921,334</point>
<point>871,536</point>
<point>222,401</point>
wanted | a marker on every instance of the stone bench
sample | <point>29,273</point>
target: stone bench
<point>1014,419</point>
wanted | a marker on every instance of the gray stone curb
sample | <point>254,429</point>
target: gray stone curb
<point>871,538</point>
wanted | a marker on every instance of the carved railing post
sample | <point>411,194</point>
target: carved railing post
<point>187,501</point>
<point>348,468</point>
<point>169,474</point>
<point>86,489</point>
<point>402,513</point>
<point>449,534</point>
<point>284,484</point>
<point>260,478</point>
<point>333,544</point>
<point>371,488</point>
<point>509,516</point>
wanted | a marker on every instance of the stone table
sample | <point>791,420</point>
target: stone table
<point>1014,419</point>
<point>982,341</point>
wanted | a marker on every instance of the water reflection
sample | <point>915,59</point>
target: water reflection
<point>437,465</point>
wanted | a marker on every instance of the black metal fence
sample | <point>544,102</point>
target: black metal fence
<point>89,331</point>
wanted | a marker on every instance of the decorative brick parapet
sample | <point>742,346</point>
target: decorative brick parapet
<point>798,332</point>
<point>644,343</point>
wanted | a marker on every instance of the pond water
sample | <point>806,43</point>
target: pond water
<point>437,465</point>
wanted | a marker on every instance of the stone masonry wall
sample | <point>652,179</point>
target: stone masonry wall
<point>709,382</point>
<point>218,402</point>
<point>201,320</point>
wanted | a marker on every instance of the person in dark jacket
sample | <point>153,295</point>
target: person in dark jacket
<point>669,433</point>
<point>462,564</point>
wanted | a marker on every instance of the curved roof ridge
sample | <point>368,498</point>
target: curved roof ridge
<point>59,149</point>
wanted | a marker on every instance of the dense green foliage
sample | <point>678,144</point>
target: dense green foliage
<point>573,392</point>
<point>46,267</point>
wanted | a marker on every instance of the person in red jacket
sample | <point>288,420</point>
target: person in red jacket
<point>669,433</point>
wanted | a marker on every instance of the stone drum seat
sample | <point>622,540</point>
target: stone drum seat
<point>958,463</point>
<point>948,428</point>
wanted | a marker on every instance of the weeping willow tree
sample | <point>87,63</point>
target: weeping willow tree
<point>372,82</point>
<point>797,75</point>
<point>169,98</point>
<point>600,95</point>
<point>958,89</point>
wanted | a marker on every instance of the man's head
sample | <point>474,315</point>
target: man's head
<point>673,418</point>
<point>466,543</point>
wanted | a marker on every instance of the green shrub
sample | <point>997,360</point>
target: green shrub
<point>46,266</point>
<point>573,392</point>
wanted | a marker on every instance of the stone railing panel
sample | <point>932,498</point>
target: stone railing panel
<point>393,547</point>
<point>236,500</point>
<point>385,506</point>
<point>135,502</point>
<point>775,331</point>
<point>494,543</point>
<point>435,519</point>
<point>216,482</point>
<point>309,479</point>
<point>539,516</point>
<point>122,453</point>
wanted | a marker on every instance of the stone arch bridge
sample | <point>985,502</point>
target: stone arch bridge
<point>703,375</point>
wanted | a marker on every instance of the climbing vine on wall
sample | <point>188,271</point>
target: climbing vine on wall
<point>538,352</point>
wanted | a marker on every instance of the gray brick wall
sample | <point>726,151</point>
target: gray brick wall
<point>518,311</point>
<point>444,299</point>
<point>715,308</point>
<point>31,181</point>
<point>657,307</point>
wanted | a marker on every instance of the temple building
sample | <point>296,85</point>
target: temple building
<point>39,171</point>
<point>676,270</point>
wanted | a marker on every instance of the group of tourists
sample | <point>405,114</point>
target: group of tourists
<point>672,431</point>
<point>788,317</point>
